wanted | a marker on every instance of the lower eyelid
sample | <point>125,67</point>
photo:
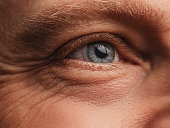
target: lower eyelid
<point>80,71</point>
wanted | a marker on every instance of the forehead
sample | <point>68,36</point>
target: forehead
<point>160,5</point>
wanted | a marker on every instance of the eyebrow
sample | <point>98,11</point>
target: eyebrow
<point>56,18</point>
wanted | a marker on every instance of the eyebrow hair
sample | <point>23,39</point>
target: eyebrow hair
<point>63,13</point>
<point>56,18</point>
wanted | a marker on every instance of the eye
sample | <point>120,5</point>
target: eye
<point>96,52</point>
<point>97,48</point>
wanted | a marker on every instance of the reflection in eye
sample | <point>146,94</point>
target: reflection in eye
<point>97,52</point>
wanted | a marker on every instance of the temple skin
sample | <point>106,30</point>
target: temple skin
<point>39,91</point>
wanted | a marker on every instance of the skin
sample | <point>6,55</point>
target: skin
<point>38,92</point>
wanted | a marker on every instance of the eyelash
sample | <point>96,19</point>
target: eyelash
<point>126,53</point>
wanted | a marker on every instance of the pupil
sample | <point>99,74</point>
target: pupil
<point>101,51</point>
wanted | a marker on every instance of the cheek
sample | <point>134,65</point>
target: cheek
<point>39,108</point>
<point>68,114</point>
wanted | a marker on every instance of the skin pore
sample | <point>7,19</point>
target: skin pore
<point>47,82</point>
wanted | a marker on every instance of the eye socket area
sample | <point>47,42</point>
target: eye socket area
<point>71,62</point>
<point>64,64</point>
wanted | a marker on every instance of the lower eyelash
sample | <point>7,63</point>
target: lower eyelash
<point>82,65</point>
